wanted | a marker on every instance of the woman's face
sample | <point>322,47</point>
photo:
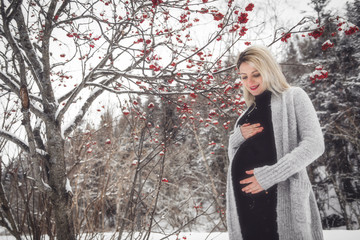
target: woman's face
<point>251,79</point>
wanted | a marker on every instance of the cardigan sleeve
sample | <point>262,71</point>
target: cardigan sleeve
<point>310,144</point>
<point>235,140</point>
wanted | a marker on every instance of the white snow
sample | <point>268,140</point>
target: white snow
<point>45,184</point>
<point>328,235</point>
<point>327,42</point>
<point>135,162</point>
<point>13,136</point>
<point>40,151</point>
<point>38,107</point>
<point>68,186</point>
<point>30,178</point>
<point>38,122</point>
<point>70,123</point>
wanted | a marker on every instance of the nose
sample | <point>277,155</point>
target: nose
<point>251,80</point>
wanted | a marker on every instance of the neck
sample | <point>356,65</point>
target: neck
<point>263,97</point>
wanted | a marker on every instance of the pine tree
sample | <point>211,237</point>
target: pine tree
<point>336,98</point>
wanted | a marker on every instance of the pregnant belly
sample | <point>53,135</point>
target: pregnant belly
<point>248,157</point>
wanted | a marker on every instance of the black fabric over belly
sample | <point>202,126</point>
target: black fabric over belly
<point>257,212</point>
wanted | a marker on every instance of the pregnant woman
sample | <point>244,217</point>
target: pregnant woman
<point>269,195</point>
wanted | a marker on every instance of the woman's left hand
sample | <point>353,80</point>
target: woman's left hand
<point>254,187</point>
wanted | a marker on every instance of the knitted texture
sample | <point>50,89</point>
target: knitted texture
<point>299,141</point>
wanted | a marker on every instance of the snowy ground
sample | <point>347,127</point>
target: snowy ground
<point>329,235</point>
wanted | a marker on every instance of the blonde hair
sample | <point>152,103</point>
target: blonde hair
<point>263,61</point>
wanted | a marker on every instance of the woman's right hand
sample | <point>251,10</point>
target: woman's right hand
<point>248,130</point>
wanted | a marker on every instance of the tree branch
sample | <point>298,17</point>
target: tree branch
<point>148,92</point>
<point>9,136</point>
<point>6,213</point>
<point>83,110</point>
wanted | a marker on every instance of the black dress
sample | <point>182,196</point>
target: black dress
<point>257,212</point>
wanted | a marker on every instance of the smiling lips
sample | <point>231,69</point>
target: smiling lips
<point>253,88</point>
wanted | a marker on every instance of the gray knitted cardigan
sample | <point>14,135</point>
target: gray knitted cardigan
<point>299,141</point>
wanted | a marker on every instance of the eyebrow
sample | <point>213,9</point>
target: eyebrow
<point>251,72</point>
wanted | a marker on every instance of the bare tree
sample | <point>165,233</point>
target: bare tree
<point>114,45</point>
<point>58,57</point>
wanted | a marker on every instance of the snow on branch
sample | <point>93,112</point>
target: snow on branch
<point>29,53</point>
<point>72,125</point>
<point>13,85</point>
<point>11,137</point>
<point>225,69</point>
<point>10,82</point>
<point>149,92</point>
<point>68,187</point>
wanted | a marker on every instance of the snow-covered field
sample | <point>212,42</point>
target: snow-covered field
<point>329,235</point>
